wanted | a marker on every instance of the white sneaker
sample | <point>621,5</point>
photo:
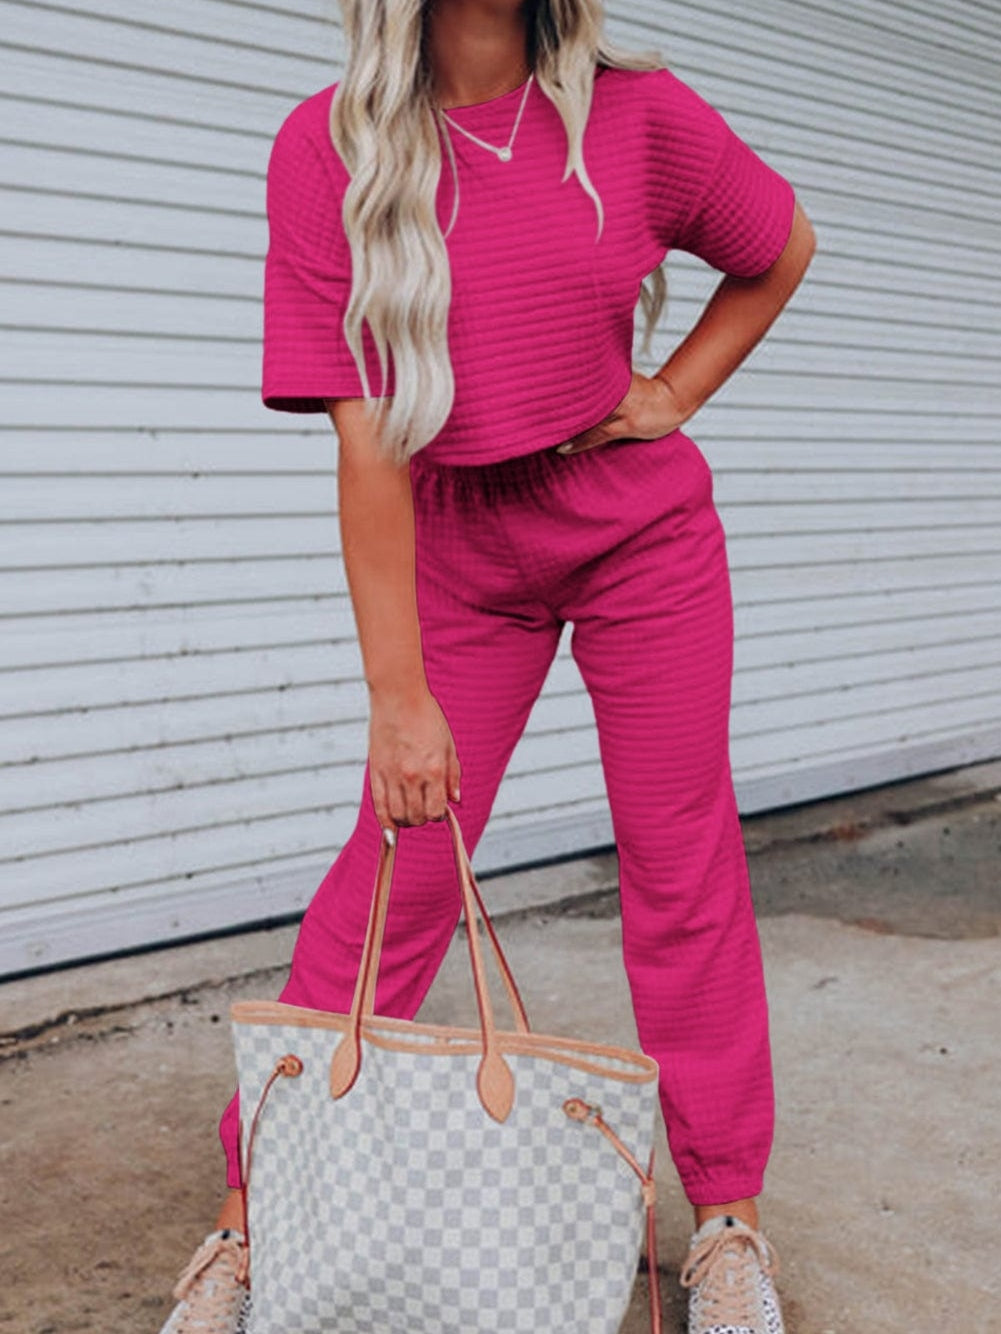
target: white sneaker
<point>729,1270</point>
<point>210,1297</point>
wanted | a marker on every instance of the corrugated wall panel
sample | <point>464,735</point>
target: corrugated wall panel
<point>855,455</point>
<point>182,719</point>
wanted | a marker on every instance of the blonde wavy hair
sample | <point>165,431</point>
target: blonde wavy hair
<point>385,125</point>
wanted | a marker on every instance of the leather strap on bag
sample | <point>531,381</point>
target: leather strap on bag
<point>494,1081</point>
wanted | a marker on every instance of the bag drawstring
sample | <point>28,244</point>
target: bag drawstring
<point>579,1110</point>
<point>291,1067</point>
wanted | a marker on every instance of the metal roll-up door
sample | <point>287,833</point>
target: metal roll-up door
<point>856,453</point>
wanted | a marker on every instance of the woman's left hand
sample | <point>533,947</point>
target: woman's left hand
<point>648,411</point>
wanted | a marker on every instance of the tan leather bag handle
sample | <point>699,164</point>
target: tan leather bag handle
<point>494,1081</point>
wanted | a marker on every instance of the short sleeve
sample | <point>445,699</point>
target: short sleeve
<point>307,276</point>
<point>723,203</point>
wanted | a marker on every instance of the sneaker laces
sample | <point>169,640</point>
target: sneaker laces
<point>216,1291</point>
<point>724,1266</point>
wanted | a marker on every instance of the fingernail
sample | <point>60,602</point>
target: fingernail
<point>564,449</point>
<point>457,794</point>
<point>390,836</point>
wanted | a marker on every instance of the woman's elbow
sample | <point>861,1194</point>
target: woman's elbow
<point>802,243</point>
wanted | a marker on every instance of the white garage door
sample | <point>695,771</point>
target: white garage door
<point>182,720</point>
<point>856,454</point>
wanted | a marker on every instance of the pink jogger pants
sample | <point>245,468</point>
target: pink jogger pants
<point>624,541</point>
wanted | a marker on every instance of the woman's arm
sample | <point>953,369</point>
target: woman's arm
<point>734,321</point>
<point>413,764</point>
<point>377,541</point>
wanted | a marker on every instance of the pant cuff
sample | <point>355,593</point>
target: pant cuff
<point>723,1190</point>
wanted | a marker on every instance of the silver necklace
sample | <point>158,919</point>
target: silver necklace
<point>505,152</point>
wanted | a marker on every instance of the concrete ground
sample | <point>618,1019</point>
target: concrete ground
<point>879,918</point>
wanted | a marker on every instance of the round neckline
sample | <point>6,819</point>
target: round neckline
<point>499,100</point>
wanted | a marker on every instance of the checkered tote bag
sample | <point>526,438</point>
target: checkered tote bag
<point>406,1178</point>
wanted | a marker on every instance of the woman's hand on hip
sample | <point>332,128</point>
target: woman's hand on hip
<point>413,766</point>
<point>649,410</point>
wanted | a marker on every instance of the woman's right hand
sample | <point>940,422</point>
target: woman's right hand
<point>413,765</point>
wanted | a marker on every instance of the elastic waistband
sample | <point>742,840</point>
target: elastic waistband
<point>534,460</point>
<point>519,474</point>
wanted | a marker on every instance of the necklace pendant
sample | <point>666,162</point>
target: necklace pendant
<point>504,153</point>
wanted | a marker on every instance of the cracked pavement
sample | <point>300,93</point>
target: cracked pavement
<point>880,919</point>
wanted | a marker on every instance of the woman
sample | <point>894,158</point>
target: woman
<point>487,188</point>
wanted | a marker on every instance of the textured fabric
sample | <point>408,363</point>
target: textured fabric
<point>542,311</point>
<point>403,1208</point>
<point>624,541</point>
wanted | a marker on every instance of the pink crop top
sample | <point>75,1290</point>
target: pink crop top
<point>541,319</point>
